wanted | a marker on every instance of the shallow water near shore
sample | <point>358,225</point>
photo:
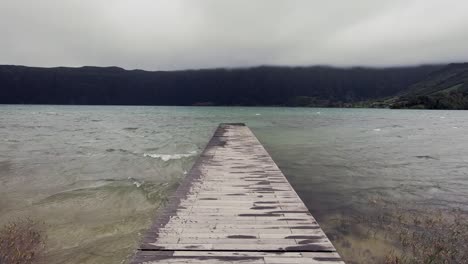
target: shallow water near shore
<point>95,175</point>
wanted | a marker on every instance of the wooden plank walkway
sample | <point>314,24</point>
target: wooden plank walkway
<point>235,206</point>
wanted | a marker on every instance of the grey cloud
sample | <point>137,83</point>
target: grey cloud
<point>180,34</point>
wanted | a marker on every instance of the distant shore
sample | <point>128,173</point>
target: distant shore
<point>417,87</point>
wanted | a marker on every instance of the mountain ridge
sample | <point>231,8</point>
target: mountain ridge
<point>446,88</point>
<point>324,86</point>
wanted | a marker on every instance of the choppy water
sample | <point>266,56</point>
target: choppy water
<point>96,174</point>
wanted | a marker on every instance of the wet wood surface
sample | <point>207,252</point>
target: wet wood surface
<point>235,206</point>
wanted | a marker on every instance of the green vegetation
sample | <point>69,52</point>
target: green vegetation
<point>312,101</point>
<point>440,100</point>
<point>422,87</point>
<point>443,89</point>
<point>257,86</point>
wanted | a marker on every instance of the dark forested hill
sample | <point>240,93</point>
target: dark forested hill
<point>446,88</point>
<point>295,86</point>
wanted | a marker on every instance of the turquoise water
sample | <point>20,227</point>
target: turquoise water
<point>95,174</point>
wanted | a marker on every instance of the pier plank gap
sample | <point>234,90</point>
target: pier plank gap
<point>235,206</point>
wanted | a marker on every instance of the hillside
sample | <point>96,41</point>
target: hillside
<point>446,88</point>
<point>291,86</point>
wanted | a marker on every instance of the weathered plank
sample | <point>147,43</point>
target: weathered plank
<point>235,206</point>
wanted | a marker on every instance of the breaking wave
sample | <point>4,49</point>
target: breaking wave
<point>167,157</point>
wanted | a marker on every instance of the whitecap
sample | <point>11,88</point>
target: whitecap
<point>257,114</point>
<point>135,182</point>
<point>377,129</point>
<point>167,157</point>
<point>442,117</point>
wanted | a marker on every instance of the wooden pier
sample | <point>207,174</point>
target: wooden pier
<point>235,206</point>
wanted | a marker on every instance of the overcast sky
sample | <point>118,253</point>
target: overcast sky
<point>181,34</point>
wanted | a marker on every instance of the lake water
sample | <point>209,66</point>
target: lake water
<point>96,174</point>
